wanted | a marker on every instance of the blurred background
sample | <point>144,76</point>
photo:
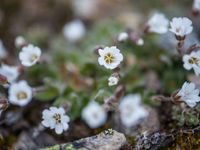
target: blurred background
<point>27,17</point>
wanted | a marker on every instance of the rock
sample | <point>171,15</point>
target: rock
<point>106,140</point>
<point>24,142</point>
<point>29,140</point>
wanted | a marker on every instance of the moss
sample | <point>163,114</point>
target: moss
<point>56,147</point>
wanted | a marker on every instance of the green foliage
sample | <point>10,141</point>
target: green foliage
<point>48,94</point>
<point>187,116</point>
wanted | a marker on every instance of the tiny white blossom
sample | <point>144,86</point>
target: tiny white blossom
<point>110,57</point>
<point>55,118</point>
<point>29,55</point>
<point>130,110</point>
<point>112,80</point>
<point>74,30</point>
<point>10,72</point>
<point>20,41</point>
<point>196,5</point>
<point>20,93</point>
<point>192,61</point>
<point>140,42</point>
<point>181,26</point>
<point>189,94</point>
<point>94,115</point>
<point>123,36</point>
<point>2,50</point>
<point>158,23</point>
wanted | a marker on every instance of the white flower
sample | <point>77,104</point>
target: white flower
<point>10,72</point>
<point>2,50</point>
<point>55,118</point>
<point>112,80</point>
<point>110,57</point>
<point>123,36</point>
<point>181,26</point>
<point>192,61</point>
<point>189,94</point>
<point>130,110</point>
<point>158,23</point>
<point>196,5</point>
<point>20,93</point>
<point>74,30</point>
<point>29,55</point>
<point>94,115</point>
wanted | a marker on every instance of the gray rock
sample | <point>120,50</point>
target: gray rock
<point>106,140</point>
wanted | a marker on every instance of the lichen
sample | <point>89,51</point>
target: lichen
<point>108,132</point>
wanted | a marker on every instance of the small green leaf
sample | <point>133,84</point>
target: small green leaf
<point>198,108</point>
<point>47,95</point>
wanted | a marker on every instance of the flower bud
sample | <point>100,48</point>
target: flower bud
<point>4,104</point>
<point>20,42</point>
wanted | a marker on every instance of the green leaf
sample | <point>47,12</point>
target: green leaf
<point>47,95</point>
<point>198,108</point>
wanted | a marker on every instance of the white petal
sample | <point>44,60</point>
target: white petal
<point>59,129</point>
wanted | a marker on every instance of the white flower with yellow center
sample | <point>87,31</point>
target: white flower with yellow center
<point>10,72</point>
<point>29,55</point>
<point>189,94</point>
<point>55,118</point>
<point>131,111</point>
<point>158,23</point>
<point>20,93</point>
<point>94,115</point>
<point>110,57</point>
<point>181,26</point>
<point>196,5</point>
<point>192,61</point>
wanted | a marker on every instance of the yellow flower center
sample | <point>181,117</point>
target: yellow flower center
<point>193,60</point>
<point>57,117</point>
<point>109,58</point>
<point>21,95</point>
<point>33,57</point>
